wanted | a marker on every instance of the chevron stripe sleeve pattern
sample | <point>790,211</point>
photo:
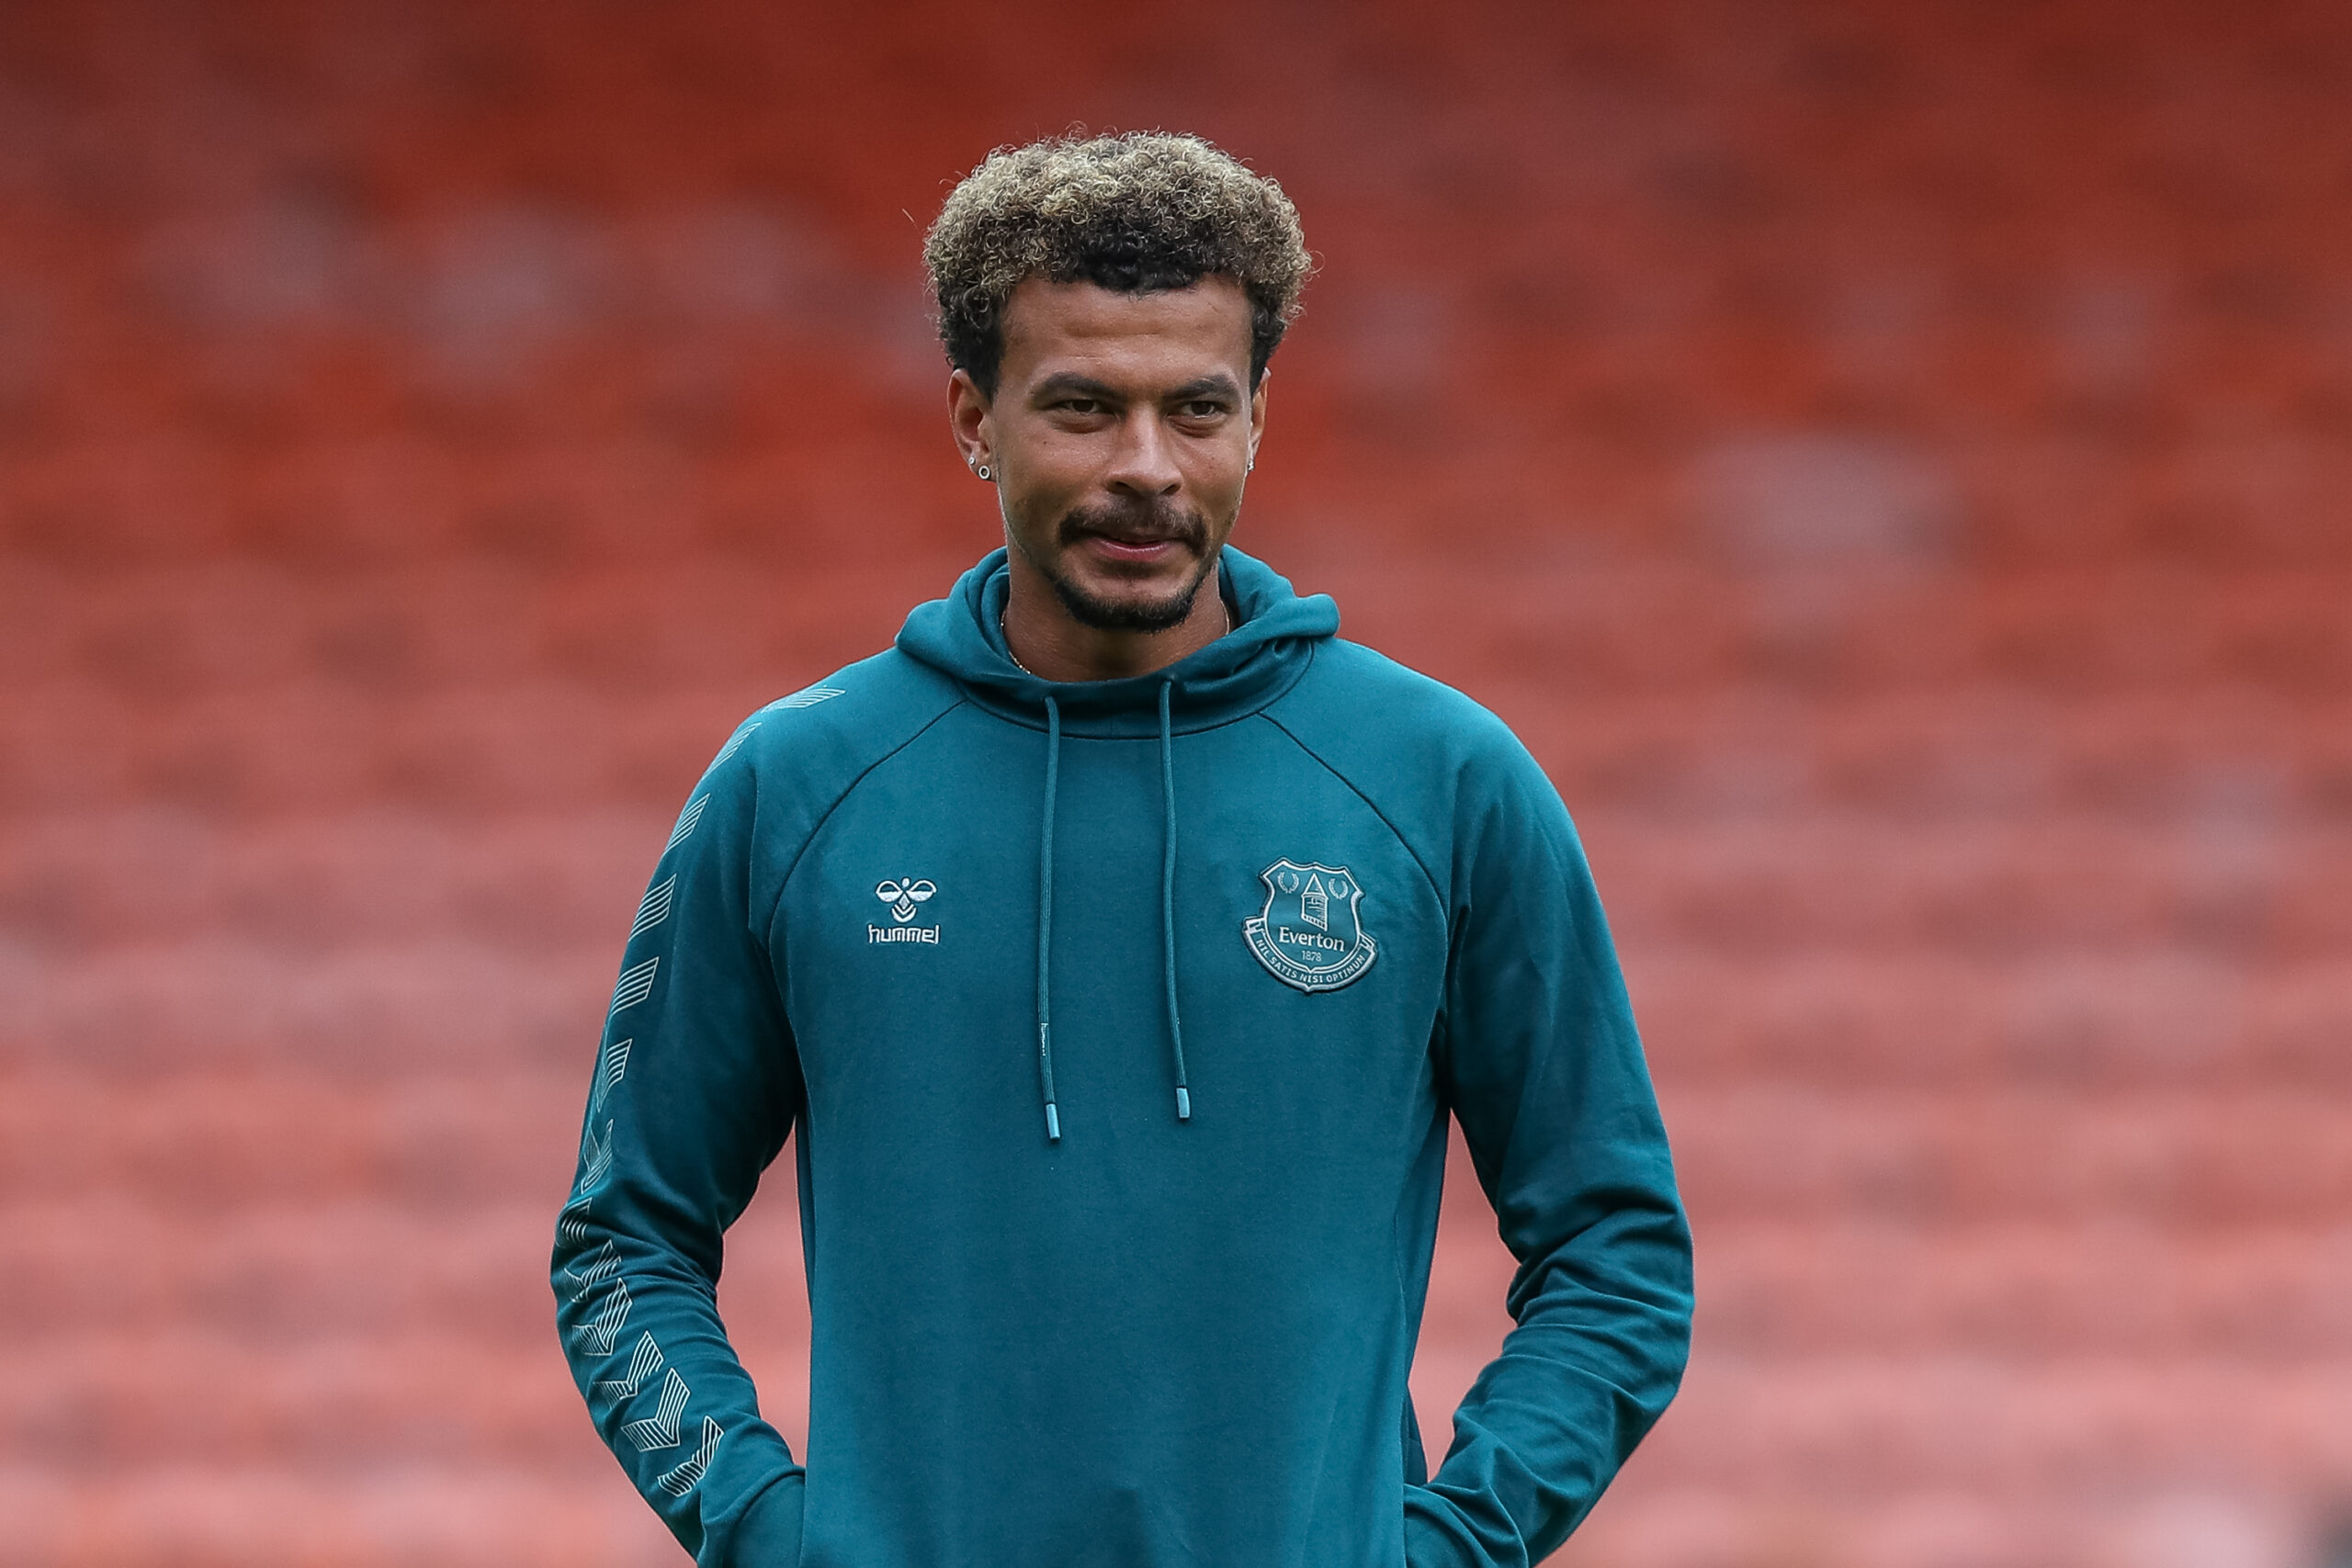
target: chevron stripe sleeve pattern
<point>704,1041</point>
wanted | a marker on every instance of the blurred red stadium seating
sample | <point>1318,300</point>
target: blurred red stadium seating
<point>1889,462</point>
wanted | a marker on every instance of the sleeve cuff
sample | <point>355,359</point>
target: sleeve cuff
<point>768,1535</point>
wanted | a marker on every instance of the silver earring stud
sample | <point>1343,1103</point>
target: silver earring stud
<point>982,471</point>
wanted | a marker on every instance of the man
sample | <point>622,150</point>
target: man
<point>1117,945</point>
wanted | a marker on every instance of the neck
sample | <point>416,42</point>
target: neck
<point>1049,644</point>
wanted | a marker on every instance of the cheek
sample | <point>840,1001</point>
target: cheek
<point>1219,484</point>
<point>1047,468</point>
<point>1033,500</point>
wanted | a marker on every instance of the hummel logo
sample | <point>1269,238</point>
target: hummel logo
<point>904,896</point>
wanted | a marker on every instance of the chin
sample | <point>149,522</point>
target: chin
<point>1123,604</point>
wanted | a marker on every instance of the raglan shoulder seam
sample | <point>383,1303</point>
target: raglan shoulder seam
<point>818,826</point>
<point>1377,810</point>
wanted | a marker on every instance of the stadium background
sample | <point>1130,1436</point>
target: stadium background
<point>1889,461</point>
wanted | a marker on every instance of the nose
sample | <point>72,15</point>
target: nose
<point>1144,462</point>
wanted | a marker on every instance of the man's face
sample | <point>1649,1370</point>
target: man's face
<point>1120,433</point>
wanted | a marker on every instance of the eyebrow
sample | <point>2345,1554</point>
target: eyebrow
<point>1219,384</point>
<point>1070,383</point>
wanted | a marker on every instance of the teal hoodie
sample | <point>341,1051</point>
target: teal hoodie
<point>1120,1023</point>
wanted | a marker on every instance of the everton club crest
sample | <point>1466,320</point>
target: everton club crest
<point>1309,936</point>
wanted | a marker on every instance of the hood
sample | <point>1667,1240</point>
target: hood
<point>1272,640</point>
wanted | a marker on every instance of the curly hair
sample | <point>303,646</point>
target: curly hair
<point>1136,212</point>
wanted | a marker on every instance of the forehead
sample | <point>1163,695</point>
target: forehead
<point>1180,333</point>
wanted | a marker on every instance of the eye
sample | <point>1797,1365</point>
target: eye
<point>1082,405</point>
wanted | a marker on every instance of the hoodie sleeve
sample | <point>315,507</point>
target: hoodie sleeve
<point>1538,1055</point>
<point>697,1085</point>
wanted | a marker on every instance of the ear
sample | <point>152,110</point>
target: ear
<point>1258,413</point>
<point>968,420</point>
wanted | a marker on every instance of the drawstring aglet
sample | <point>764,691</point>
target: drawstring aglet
<point>1184,1105</point>
<point>1053,1124</point>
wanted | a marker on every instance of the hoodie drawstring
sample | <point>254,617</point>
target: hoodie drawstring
<point>1168,899</point>
<point>1166,912</point>
<point>1045,922</point>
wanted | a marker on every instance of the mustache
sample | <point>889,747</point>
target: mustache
<point>1144,521</point>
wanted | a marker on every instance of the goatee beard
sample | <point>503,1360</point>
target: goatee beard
<point>1150,521</point>
<point>1128,616</point>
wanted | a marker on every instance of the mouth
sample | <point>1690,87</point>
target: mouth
<point>1142,536</point>
<point>1139,552</point>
